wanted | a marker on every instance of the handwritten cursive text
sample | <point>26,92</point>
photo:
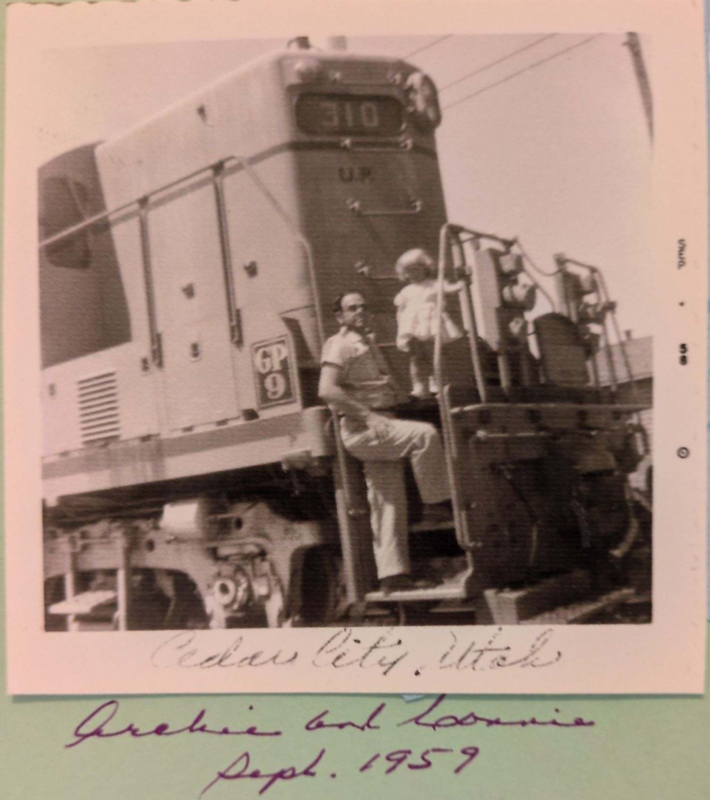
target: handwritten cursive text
<point>96,726</point>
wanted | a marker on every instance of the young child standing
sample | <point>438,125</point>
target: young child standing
<point>416,318</point>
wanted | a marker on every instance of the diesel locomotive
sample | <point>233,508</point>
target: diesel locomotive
<point>192,478</point>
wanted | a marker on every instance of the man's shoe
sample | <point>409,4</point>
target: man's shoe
<point>404,583</point>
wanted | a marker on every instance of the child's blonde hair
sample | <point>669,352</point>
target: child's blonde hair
<point>412,257</point>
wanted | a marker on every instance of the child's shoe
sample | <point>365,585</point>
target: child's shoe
<point>433,385</point>
<point>419,390</point>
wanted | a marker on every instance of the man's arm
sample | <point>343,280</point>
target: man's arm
<point>332,393</point>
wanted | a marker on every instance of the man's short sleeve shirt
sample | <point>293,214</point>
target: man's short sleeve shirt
<point>364,372</point>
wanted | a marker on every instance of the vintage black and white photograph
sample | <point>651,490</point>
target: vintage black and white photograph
<point>299,364</point>
<point>347,332</point>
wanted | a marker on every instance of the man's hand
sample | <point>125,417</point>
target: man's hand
<point>338,399</point>
<point>379,425</point>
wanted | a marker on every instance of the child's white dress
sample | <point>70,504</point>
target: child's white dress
<point>416,315</point>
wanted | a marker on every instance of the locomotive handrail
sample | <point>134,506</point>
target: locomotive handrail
<point>461,521</point>
<point>605,297</point>
<point>474,234</point>
<point>347,511</point>
<point>469,315</point>
<point>486,436</point>
<point>619,338</point>
<point>104,215</point>
<point>216,167</point>
<point>156,345</point>
<point>562,261</point>
<point>295,230</point>
<point>403,145</point>
<point>364,270</point>
<point>626,408</point>
<point>233,313</point>
<point>355,206</point>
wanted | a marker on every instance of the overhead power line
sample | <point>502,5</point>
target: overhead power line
<point>427,46</point>
<point>497,61</point>
<point>521,71</point>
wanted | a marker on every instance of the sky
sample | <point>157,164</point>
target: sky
<point>543,136</point>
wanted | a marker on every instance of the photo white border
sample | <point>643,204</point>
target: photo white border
<point>666,656</point>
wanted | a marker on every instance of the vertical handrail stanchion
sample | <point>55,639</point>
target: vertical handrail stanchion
<point>609,358</point>
<point>351,538</point>
<point>443,242</point>
<point>595,370</point>
<point>295,230</point>
<point>70,584</point>
<point>448,429</point>
<point>233,315</point>
<point>156,348</point>
<point>617,332</point>
<point>450,444</point>
<point>627,361</point>
<point>123,581</point>
<point>472,329</point>
<point>467,311</point>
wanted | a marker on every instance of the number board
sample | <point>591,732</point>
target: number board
<point>349,115</point>
<point>273,372</point>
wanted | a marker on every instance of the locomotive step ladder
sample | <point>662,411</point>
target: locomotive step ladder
<point>453,402</point>
<point>500,417</point>
<point>464,584</point>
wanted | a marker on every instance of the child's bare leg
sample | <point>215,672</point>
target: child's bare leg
<point>422,368</point>
<point>428,363</point>
<point>419,368</point>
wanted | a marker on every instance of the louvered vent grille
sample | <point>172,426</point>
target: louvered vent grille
<point>98,408</point>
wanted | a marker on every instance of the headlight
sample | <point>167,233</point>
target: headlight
<point>308,71</point>
<point>423,101</point>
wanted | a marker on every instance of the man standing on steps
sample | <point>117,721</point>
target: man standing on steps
<point>356,383</point>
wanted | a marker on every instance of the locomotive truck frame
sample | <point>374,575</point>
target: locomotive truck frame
<point>192,478</point>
